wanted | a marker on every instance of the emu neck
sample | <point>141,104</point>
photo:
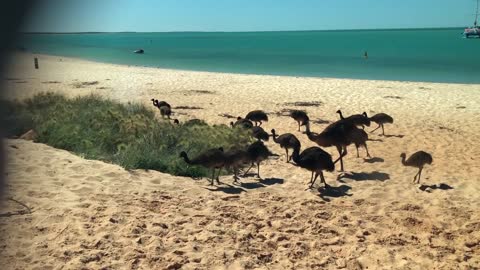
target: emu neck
<point>403,161</point>
<point>186,159</point>
<point>274,135</point>
<point>296,154</point>
<point>341,115</point>
<point>309,133</point>
<point>320,139</point>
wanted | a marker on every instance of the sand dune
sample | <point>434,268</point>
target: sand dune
<point>93,215</point>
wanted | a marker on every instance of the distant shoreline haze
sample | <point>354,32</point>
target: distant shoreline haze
<point>187,31</point>
<point>430,55</point>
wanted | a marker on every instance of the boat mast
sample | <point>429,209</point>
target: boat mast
<point>476,16</point>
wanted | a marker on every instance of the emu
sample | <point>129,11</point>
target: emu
<point>300,116</point>
<point>235,159</point>
<point>260,134</point>
<point>242,122</point>
<point>287,141</point>
<point>256,153</point>
<point>418,160</point>
<point>381,119</point>
<point>315,160</point>
<point>357,119</point>
<point>336,134</point>
<point>257,117</point>
<point>212,159</point>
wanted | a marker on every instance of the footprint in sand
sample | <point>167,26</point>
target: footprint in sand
<point>112,175</point>
<point>83,190</point>
<point>77,168</point>
<point>97,165</point>
<point>84,205</point>
<point>77,176</point>
<point>30,169</point>
<point>155,181</point>
<point>94,179</point>
<point>57,182</point>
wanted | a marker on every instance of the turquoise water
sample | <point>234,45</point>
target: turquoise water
<point>439,55</point>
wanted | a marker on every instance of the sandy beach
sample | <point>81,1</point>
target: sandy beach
<point>87,214</point>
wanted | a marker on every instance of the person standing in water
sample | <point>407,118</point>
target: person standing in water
<point>365,55</point>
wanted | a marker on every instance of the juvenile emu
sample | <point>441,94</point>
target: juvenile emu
<point>418,160</point>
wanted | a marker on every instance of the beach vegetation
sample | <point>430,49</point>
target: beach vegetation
<point>129,135</point>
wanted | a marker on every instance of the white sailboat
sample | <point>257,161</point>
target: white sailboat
<point>473,31</point>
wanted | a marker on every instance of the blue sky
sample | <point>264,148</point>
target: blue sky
<point>246,15</point>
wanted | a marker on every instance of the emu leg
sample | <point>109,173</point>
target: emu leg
<point>415,177</point>
<point>344,154</point>
<point>253,164</point>
<point>313,182</point>
<point>419,175</point>
<point>298,125</point>
<point>339,149</point>
<point>286,151</point>
<point>323,179</point>
<point>218,175</point>
<point>376,128</point>
<point>235,173</point>
<point>383,131</point>
<point>356,146</point>
<point>311,179</point>
<point>341,156</point>
<point>258,170</point>
<point>213,176</point>
<point>366,148</point>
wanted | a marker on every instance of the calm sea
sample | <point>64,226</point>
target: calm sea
<point>439,55</point>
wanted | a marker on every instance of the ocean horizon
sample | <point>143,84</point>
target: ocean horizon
<point>426,54</point>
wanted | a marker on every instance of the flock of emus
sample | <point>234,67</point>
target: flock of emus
<point>339,134</point>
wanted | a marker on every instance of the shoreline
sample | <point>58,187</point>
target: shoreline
<point>229,73</point>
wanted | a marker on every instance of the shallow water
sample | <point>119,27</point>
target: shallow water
<point>439,55</point>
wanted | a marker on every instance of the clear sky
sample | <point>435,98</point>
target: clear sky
<point>246,15</point>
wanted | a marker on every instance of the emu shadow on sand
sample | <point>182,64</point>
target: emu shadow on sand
<point>429,188</point>
<point>363,176</point>
<point>334,192</point>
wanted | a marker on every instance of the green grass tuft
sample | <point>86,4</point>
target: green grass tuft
<point>125,134</point>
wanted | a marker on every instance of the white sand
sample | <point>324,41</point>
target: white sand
<point>88,214</point>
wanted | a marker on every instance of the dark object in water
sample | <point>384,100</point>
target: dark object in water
<point>139,51</point>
